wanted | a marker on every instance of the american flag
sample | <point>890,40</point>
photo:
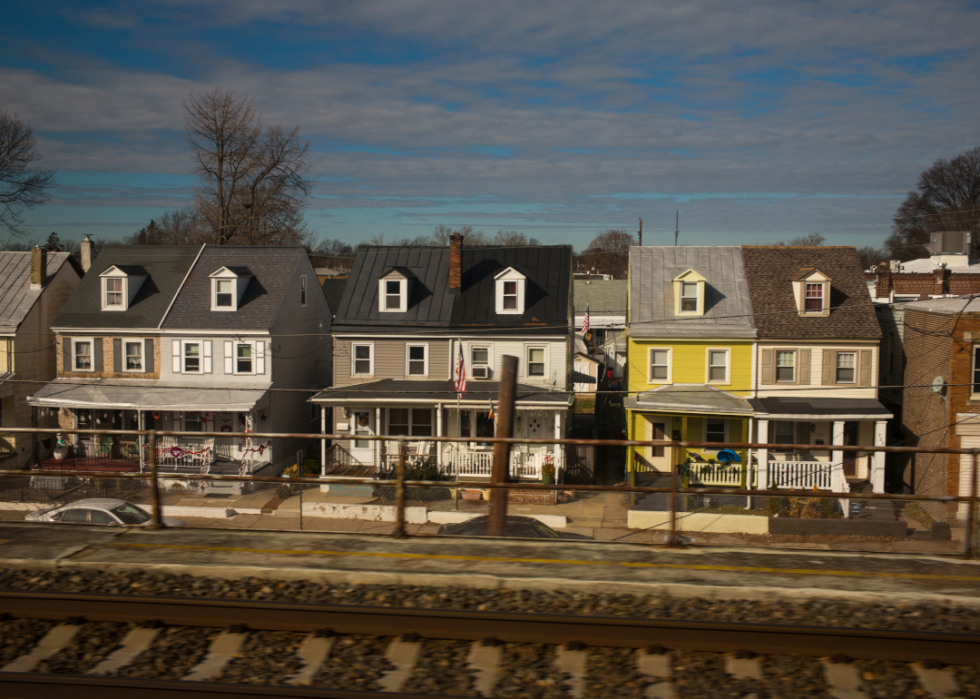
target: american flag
<point>460,372</point>
<point>585,323</point>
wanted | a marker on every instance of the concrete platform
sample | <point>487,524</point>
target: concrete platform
<point>489,563</point>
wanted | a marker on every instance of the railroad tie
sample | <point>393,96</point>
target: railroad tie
<point>572,663</point>
<point>743,668</point>
<point>53,641</point>
<point>403,655</point>
<point>134,643</point>
<point>484,660</point>
<point>939,683</point>
<point>225,646</point>
<point>313,651</point>
<point>844,680</point>
<point>656,665</point>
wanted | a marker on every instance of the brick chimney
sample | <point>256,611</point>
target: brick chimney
<point>941,276</point>
<point>86,254</point>
<point>883,281</point>
<point>455,263</point>
<point>39,268</point>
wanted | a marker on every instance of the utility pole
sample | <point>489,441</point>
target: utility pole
<point>504,427</point>
<point>677,226</point>
<point>640,234</point>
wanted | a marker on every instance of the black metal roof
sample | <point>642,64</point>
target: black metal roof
<point>165,267</point>
<point>431,304</point>
<point>333,292</point>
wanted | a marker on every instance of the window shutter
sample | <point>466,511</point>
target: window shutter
<point>767,366</point>
<point>207,356</point>
<point>116,354</point>
<point>148,356</point>
<point>176,352</point>
<point>229,365</point>
<point>803,373</point>
<point>259,357</point>
<point>827,368</point>
<point>97,351</point>
<point>865,368</point>
<point>66,354</point>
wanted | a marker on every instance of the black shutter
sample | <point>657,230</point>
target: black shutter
<point>66,354</point>
<point>117,355</point>
<point>97,351</point>
<point>148,356</point>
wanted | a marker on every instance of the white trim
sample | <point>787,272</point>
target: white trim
<point>91,342</point>
<point>353,359</point>
<point>425,359</point>
<point>124,292</point>
<point>670,365</point>
<point>855,368</point>
<point>183,356</point>
<point>527,362</point>
<point>501,279</point>
<point>775,365</point>
<point>383,294</point>
<point>488,346</point>
<point>141,341</point>
<point>728,365</point>
<point>235,344</point>
<point>233,292</point>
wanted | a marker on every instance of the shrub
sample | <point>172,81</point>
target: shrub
<point>311,467</point>
<point>423,470</point>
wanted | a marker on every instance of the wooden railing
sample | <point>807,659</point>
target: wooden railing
<point>802,475</point>
<point>718,474</point>
<point>479,464</point>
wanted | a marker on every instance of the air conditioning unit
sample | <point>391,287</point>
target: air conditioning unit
<point>481,372</point>
<point>949,242</point>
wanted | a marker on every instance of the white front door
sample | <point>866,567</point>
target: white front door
<point>362,425</point>
<point>659,457</point>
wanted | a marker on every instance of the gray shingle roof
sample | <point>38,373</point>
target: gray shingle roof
<point>727,310</point>
<point>272,269</point>
<point>165,267</point>
<point>604,297</point>
<point>430,304</point>
<point>16,296</point>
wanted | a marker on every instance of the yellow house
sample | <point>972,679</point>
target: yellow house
<point>691,343</point>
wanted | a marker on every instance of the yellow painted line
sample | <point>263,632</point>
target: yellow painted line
<point>552,561</point>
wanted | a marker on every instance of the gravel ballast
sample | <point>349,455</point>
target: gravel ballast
<point>528,671</point>
<point>19,636</point>
<point>89,647</point>
<point>267,657</point>
<point>442,669</point>
<point>945,618</point>
<point>355,662</point>
<point>174,652</point>
<point>612,672</point>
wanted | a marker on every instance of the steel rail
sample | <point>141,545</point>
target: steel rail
<point>770,639</point>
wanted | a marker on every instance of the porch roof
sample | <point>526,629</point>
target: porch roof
<point>803,408</point>
<point>690,398</point>
<point>68,393</point>
<point>477,393</point>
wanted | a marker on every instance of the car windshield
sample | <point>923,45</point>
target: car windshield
<point>130,514</point>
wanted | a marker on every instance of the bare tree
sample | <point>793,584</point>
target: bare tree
<point>23,185</point>
<point>805,241</point>
<point>608,253</point>
<point>253,177</point>
<point>871,256</point>
<point>513,239</point>
<point>946,198</point>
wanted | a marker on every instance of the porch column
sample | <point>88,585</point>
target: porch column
<point>837,457</point>
<point>323,442</point>
<point>439,434</point>
<point>377,433</point>
<point>762,436</point>
<point>878,459</point>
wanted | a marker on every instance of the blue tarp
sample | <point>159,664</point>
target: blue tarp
<point>728,455</point>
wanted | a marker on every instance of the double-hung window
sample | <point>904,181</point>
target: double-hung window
<point>302,290</point>
<point>393,295</point>
<point>784,432</point>
<point>714,430</point>
<point>536,362</point>
<point>718,366</point>
<point>192,358</point>
<point>975,388</point>
<point>83,355</point>
<point>689,297</point>
<point>244,361</point>
<point>813,302</point>
<point>114,293</point>
<point>416,360</point>
<point>362,360</point>
<point>785,366</point>
<point>134,356</point>
<point>659,366</point>
<point>410,422</point>
<point>846,365</point>
<point>223,294</point>
<point>510,296</point>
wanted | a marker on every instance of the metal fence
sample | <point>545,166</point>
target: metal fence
<point>408,495</point>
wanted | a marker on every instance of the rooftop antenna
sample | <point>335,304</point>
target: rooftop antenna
<point>677,226</point>
<point>640,234</point>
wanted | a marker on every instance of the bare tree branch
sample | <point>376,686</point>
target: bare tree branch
<point>23,185</point>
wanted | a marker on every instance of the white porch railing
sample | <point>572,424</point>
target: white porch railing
<point>479,464</point>
<point>721,475</point>
<point>801,475</point>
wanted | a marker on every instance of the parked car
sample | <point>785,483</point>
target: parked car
<point>514,526</point>
<point>107,511</point>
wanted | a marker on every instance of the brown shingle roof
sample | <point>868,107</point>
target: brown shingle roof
<point>771,271</point>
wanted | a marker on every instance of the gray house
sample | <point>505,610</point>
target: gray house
<point>409,314</point>
<point>209,339</point>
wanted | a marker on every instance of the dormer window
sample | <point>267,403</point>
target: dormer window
<point>509,294</point>
<point>812,293</point>
<point>114,293</point>
<point>228,286</point>
<point>393,290</point>
<point>393,295</point>
<point>119,286</point>
<point>689,290</point>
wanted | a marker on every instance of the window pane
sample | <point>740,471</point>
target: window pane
<point>659,356</point>
<point>134,356</point>
<point>715,431</point>
<point>362,351</point>
<point>416,352</point>
<point>393,288</point>
<point>510,288</point>
<point>222,293</point>
<point>244,358</point>
<point>398,421</point>
<point>192,357</point>
<point>785,366</point>
<point>658,373</point>
<point>83,355</point>
<point>689,289</point>
<point>481,355</point>
<point>785,433</point>
<point>421,423</point>
<point>100,517</point>
<point>535,355</point>
<point>717,357</point>
<point>845,367</point>
<point>717,373</point>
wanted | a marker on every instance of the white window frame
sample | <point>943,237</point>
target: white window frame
<point>183,356</point>
<point>688,297</point>
<point>724,422</point>
<point>823,296</point>
<point>74,353</point>
<point>234,357</point>
<point>353,358</point>
<point>974,384</point>
<point>509,275</point>
<point>425,359</point>
<point>527,363</point>
<point>837,366</point>
<point>234,293</point>
<point>302,290</point>
<point>125,355</point>
<point>728,365</point>
<point>775,366</point>
<point>474,363</point>
<point>123,292</point>
<point>670,365</point>
<point>383,295</point>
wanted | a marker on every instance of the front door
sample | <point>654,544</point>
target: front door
<point>658,457</point>
<point>850,440</point>
<point>362,425</point>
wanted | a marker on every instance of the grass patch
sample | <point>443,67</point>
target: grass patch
<point>914,511</point>
<point>584,405</point>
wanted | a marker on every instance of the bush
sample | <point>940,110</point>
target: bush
<point>424,470</point>
<point>311,467</point>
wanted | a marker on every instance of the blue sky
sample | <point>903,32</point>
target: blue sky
<point>757,121</point>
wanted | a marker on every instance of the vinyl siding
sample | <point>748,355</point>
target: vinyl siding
<point>389,360</point>
<point>816,389</point>
<point>689,362</point>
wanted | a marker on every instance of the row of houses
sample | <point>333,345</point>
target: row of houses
<point>709,344</point>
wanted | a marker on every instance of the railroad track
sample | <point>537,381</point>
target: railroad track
<point>93,643</point>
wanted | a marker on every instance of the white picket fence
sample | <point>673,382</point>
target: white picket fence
<point>801,475</point>
<point>479,464</point>
<point>721,475</point>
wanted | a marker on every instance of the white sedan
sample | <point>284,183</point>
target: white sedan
<point>106,511</point>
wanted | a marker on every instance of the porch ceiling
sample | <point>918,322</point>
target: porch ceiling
<point>66,394</point>
<point>800,407</point>
<point>478,393</point>
<point>690,398</point>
